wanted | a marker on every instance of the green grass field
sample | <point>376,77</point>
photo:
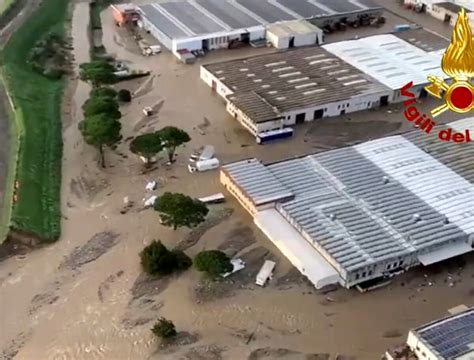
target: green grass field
<point>5,4</point>
<point>37,103</point>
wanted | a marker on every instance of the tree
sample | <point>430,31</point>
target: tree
<point>213,262</point>
<point>156,259</point>
<point>173,137</point>
<point>103,91</point>
<point>178,210</point>
<point>97,73</point>
<point>124,95</point>
<point>99,131</point>
<point>101,105</point>
<point>164,329</point>
<point>146,145</point>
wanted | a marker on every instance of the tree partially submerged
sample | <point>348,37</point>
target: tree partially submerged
<point>146,145</point>
<point>173,137</point>
<point>99,131</point>
<point>97,73</point>
<point>213,262</point>
<point>103,91</point>
<point>164,329</point>
<point>124,95</point>
<point>177,210</point>
<point>101,105</point>
<point>156,259</point>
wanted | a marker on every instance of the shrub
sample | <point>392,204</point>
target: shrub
<point>103,92</point>
<point>213,262</point>
<point>156,259</point>
<point>124,95</point>
<point>164,329</point>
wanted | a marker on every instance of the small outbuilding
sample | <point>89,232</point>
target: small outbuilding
<point>125,14</point>
<point>447,11</point>
<point>288,34</point>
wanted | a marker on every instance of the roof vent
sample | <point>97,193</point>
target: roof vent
<point>416,218</point>
<point>445,220</point>
<point>386,179</point>
<point>332,216</point>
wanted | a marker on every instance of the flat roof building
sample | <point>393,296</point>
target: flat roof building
<point>449,338</point>
<point>391,60</point>
<point>214,24</point>
<point>365,212</point>
<point>271,91</point>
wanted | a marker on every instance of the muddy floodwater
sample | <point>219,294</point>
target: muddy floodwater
<point>84,297</point>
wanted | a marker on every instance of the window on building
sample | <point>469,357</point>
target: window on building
<point>363,274</point>
<point>389,266</point>
<point>338,107</point>
<point>357,276</point>
<point>370,272</point>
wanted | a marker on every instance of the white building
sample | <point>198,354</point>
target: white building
<point>365,213</point>
<point>392,61</point>
<point>214,24</point>
<point>271,91</point>
<point>449,11</point>
<point>295,33</point>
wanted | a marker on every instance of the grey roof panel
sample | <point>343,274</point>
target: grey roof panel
<point>165,25</point>
<point>340,6</point>
<point>266,10</point>
<point>304,8</point>
<point>228,13</point>
<point>191,17</point>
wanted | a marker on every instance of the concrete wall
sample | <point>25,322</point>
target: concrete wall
<point>237,193</point>
<point>335,109</point>
<point>213,82</point>
<point>419,348</point>
<point>283,41</point>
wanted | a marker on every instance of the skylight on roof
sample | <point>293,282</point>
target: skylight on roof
<point>338,72</point>
<point>298,79</point>
<point>310,92</point>
<point>283,69</point>
<point>354,82</point>
<point>276,63</point>
<point>305,85</point>
<point>281,98</point>
<point>347,77</point>
<point>314,56</point>
<point>290,74</point>
<point>321,60</point>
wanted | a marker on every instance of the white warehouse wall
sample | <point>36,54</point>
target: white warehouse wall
<point>419,348</point>
<point>220,88</point>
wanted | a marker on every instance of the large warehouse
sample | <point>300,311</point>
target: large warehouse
<point>269,92</point>
<point>213,24</point>
<point>391,60</point>
<point>366,212</point>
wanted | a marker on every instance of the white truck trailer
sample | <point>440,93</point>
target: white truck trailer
<point>204,165</point>
<point>265,272</point>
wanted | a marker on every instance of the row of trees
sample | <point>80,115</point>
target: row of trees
<point>101,126</point>
<point>150,144</point>
<point>156,259</point>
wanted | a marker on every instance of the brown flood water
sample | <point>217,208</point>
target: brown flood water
<point>76,299</point>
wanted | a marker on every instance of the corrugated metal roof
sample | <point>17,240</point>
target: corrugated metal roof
<point>291,28</point>
<point>259,184</point>
<point>389,59</point>
<point>267,85</point>
<point>375,201</point>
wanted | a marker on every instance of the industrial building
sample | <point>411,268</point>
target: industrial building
<point>450,338</point>
<point>392,61</point>
<point>271,91</point>
<point>289,34</point>
<point>213,24</point>
<point>446,11</point>
<point>362,214</point>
